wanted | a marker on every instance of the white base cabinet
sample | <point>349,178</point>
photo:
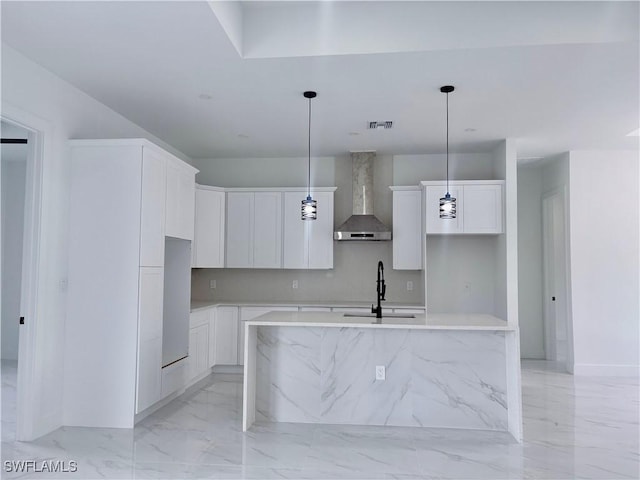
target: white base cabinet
<point>226,336</point>
<point>199,324</point>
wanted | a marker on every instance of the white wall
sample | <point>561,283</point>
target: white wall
<point>13,191</point>
<point>265,172</point>
<point>604,237</point>
<point>30,91</point>
<point>412,169</point>
<point>530,280</point>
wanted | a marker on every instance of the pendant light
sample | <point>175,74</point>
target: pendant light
<point>309,205</point>
<point>447,203</point>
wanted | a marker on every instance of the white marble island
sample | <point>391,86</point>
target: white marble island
<point>442,370</point>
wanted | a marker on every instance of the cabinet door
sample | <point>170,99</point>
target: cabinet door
<point>482,209</point>
<point>295,240</point>
<point>239,239</point>
<point>192,371</point>
<point>267,233</point>
<point>202,348</point>
<point>226,336</point>
<point>407,230</point>
<point>149,374</point>
<point>320,232</point>
<point>180,203</point>
<point>153,209</point>
<point>211,357</point>
<point>198,350</point>
<point>435,224</point>
<point>308,244</point>
<point>149,388</point>
<point>209,229</point>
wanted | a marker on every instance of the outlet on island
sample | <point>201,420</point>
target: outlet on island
<point>380,372</point>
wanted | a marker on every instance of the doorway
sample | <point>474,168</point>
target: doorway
<point>557,328</point>
<point>13,171</point>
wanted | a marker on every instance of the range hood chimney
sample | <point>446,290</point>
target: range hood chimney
<point>362,225</point>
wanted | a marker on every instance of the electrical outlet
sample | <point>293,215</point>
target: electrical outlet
<point>212,284</point>
<point>294,285</point>
<point>380,372</point>
<point>410,286</point>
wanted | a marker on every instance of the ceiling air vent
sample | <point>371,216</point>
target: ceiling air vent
<point>375,125</point>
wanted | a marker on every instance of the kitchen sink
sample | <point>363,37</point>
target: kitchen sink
<point>384,315</point>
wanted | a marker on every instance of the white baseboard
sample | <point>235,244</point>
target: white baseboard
<point>600,370</point>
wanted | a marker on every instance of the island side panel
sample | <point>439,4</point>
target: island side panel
<point>249,382</point>
<point>459,379</point>
<point>288,374</point>
<point>514,384</point>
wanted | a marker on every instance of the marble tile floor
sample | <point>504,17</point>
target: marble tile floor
<point>574,427</point>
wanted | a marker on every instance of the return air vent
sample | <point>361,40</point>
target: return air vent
<point>375,125</point>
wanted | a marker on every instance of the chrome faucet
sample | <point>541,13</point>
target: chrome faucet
<point>381,288</point>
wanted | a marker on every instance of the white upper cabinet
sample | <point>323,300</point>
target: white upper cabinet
<point>208,243</point>
<point>407,228</point>
<point>180,200</point>
<point>308,244</point>
<point>267,231</point>
<point>239,229</point>
<point>482,209</point>
<point>479,207</point>
<point>435,224</point>
<point>254,229</point>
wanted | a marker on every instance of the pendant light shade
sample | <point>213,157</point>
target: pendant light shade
<point>447,203</point>
<point>309,205</point>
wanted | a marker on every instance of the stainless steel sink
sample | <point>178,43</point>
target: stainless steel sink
<point>384,315</point>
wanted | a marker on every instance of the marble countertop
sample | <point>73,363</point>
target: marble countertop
<point>429,321</point>
<point>203,304</point>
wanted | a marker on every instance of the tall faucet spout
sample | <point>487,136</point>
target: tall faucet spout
<point>381,289</point>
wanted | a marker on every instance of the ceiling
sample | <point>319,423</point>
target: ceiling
<point>225,79</point>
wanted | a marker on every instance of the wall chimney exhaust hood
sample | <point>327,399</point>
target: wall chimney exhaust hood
<point>362,225</point>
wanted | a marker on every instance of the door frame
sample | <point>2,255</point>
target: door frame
<point>564,288</point>
<point>28,426</point>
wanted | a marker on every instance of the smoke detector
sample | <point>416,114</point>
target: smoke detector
<point>376,125</point>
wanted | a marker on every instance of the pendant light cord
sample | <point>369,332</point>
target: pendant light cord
<point>309,165</point>
<point>447,142</point>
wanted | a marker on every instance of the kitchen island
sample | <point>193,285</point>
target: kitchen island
<point>440,370</point>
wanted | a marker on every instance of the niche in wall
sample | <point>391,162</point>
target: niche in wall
<point>462,273</point>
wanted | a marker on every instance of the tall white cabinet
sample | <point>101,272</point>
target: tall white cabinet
<point>124,198</point>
